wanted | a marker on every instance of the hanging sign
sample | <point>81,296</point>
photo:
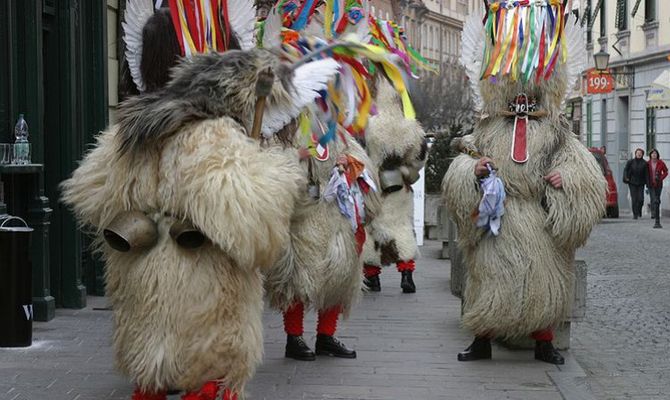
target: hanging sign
<point>599,82</point>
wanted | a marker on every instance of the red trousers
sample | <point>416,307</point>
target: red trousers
<point>208,392</point>
<point>545,335</point>
<point>294,317</point>
<point>373,270</point>
<point>327,324</point>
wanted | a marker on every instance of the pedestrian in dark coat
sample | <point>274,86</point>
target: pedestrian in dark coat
<point>635,175</point>
<point>657,171</point>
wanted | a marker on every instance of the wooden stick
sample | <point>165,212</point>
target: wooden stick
<point>263,88</point>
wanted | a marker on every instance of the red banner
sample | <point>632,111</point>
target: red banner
<point>599,82</point>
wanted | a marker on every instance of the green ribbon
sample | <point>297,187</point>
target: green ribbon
<point>528,65</point>
<point>490,42</point>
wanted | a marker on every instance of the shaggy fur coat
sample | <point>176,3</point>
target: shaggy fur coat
<point>320,267</point>
<point>522,280</point>
<point>186,316</point>
<point>393,142</point>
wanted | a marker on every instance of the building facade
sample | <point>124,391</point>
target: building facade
<point>54,70</point>
<point>636,34</point>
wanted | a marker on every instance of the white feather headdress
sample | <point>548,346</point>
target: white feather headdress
<point>241,19</point>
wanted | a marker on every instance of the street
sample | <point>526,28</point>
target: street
<point>623,343</point>
<point>407,343</point>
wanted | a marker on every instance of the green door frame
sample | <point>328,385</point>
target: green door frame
<point>61,87</point>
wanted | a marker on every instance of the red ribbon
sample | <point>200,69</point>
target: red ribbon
<point>540,66</point>
<point>174,13</point>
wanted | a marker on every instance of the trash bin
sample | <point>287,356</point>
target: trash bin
<point>16,305</point>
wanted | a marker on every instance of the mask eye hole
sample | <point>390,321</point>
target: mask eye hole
<point>131,230</point>
<point>186,235</point>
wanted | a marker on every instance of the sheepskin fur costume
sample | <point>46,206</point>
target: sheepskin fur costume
<point>522,280</point>
<point>393,142</point>
<point>321,267</point>
<point>187,316</point>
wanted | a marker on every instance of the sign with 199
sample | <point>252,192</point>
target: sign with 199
<point>599,82</point>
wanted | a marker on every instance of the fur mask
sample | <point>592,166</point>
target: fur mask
<point>221,84</point>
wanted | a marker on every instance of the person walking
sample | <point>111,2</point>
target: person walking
<point>635,175</point>
<point>657,172</point>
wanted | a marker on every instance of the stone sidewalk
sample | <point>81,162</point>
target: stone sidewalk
<point>623,342</point>
<point>406,344</point>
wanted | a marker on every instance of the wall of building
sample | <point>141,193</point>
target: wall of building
<point>645,48</point>
<point>112,57</point>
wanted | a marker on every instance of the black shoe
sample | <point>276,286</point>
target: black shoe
<point>634,216</point>
<point>327,345</point>
<point>480,349</point>
<point>407,283</point>
<point>545,351</point>
<point>297,349</point>
<point>373,283</point>
<point>658,225</point>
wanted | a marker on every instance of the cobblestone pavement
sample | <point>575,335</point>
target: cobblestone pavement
<point>623,343</point>
<point>406,345</point>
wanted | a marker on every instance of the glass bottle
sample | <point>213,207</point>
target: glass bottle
<point>21,154</point>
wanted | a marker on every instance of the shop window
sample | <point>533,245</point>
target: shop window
<point>651,129</point>
<point>589,123</point>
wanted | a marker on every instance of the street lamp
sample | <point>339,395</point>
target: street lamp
<point>601,59</point>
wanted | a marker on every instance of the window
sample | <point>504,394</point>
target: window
<point>621,15</point>
<point>603,20</point>
<point>649,10</point>
<point>651,129</point>
<point>588,15</point>
<point>424,38</point>
<point>603,122</point>
<point>430,41</point>
<point>589,123</point>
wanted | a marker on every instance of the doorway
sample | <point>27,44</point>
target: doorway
<point>619,158</point>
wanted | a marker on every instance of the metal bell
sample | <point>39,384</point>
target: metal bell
<point>409,174</point>
<point>131,230</point>
<point>186,235</point>
<point>391,180</point>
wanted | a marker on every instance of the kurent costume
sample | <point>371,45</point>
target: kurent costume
<point>398,150</point>
<point>322,268</point>
<point>519,251</point>
<point>186,207</point>
<point>397,146</point>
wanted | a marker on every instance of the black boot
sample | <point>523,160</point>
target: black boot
<point>373,283</point>
<point>297,348</point>
<point>327,345</point>
<point>480,349</point>
<point>545,351</point>
<point>407,283</point>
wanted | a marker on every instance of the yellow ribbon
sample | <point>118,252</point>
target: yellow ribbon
<point>508,38</point>
<point>184,28</point>
<point>366,102</point>
<point>328,21</point>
